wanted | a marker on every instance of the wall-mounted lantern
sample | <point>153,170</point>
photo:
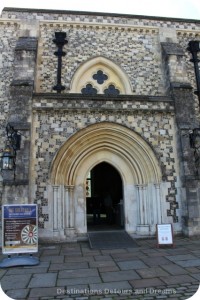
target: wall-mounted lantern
<point>13,142</point>
<point>8,158</point>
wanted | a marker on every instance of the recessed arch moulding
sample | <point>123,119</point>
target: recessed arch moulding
<point>134,160</point>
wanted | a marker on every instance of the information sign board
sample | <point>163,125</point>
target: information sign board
<point>20,228</point>
<point>164,234</point>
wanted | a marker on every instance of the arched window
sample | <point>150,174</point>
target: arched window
<point>100,76</point>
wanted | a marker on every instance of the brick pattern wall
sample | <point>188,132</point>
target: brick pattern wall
<point>131,43</point>
<point>53,127</point>
<point>137,52</point>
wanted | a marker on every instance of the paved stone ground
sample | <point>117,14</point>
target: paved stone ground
<point>74,271</point>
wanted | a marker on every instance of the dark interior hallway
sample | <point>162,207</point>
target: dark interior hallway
<point>104,198</point>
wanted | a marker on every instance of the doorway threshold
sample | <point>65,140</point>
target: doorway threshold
<point>111,240</point>
<point>103,227</point>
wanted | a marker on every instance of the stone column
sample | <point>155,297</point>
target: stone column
<point>55,208</point>
<point>66,207</point>
<point>158,208</point>
<point>187,118</point>
<point>71,206</point>
<point>143,226</point>
<point>140,208</point>
<point>19,115</point>
<point>69,213</point>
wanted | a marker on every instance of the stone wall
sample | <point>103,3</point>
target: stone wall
<point>8,38</point>
<point>151,51</point>
<point>55,120</point>
<point>136,51</point>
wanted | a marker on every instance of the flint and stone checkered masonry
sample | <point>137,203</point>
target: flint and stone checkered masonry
<point>143,132</point>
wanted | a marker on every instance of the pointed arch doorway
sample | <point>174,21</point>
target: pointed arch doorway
<point>124,150</point>
<point>104,198</point>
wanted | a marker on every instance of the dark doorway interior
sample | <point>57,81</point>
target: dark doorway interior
<point>104,198</point>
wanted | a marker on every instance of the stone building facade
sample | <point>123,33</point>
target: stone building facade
<point>125,104</point>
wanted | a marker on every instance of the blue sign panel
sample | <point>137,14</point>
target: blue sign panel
<point>20,228</point>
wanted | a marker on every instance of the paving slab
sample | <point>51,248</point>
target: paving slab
<point>156,254</point>
<point>196,252</point>
<point>78,281</point>
<point>53,258</point>
<point>181,257</point>
<point>143,283</point>
<point>76,289</point>
<point>43,292</point>
<point>98,264</point>
<point>174,269</point>
<point>110,287</point>
<point>109,268</point>
<point>192,270</point>
<point>35,269</point>
<point>43,280</point>
<point>80,273</point>
<point>69,265</point>
<point>2,272</point>
<point>70,253</point>
<point>103,257</point>
<point>196,276</point>
<point>152,272</point>
<point>156,261</point>
<point>131,265</point>
<point>177,251</point>
<point>124,256</point>
<point>15,281</point>
<point>177,279</point>
<point>78,258</point>
<point>188,263</point>
<point>119,275</point>
<point>51,252</point>
<point>18,294</point>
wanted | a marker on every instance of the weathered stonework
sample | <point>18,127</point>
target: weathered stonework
<point>146,60</point>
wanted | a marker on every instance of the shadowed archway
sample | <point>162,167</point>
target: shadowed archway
<point>124,150</point>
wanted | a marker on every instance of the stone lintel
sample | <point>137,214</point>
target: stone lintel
<point>76,96</point>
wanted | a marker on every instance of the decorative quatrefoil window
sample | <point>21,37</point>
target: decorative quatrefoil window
<point>111,91</point>
<point>89,90</point>
<point>100,75</point>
